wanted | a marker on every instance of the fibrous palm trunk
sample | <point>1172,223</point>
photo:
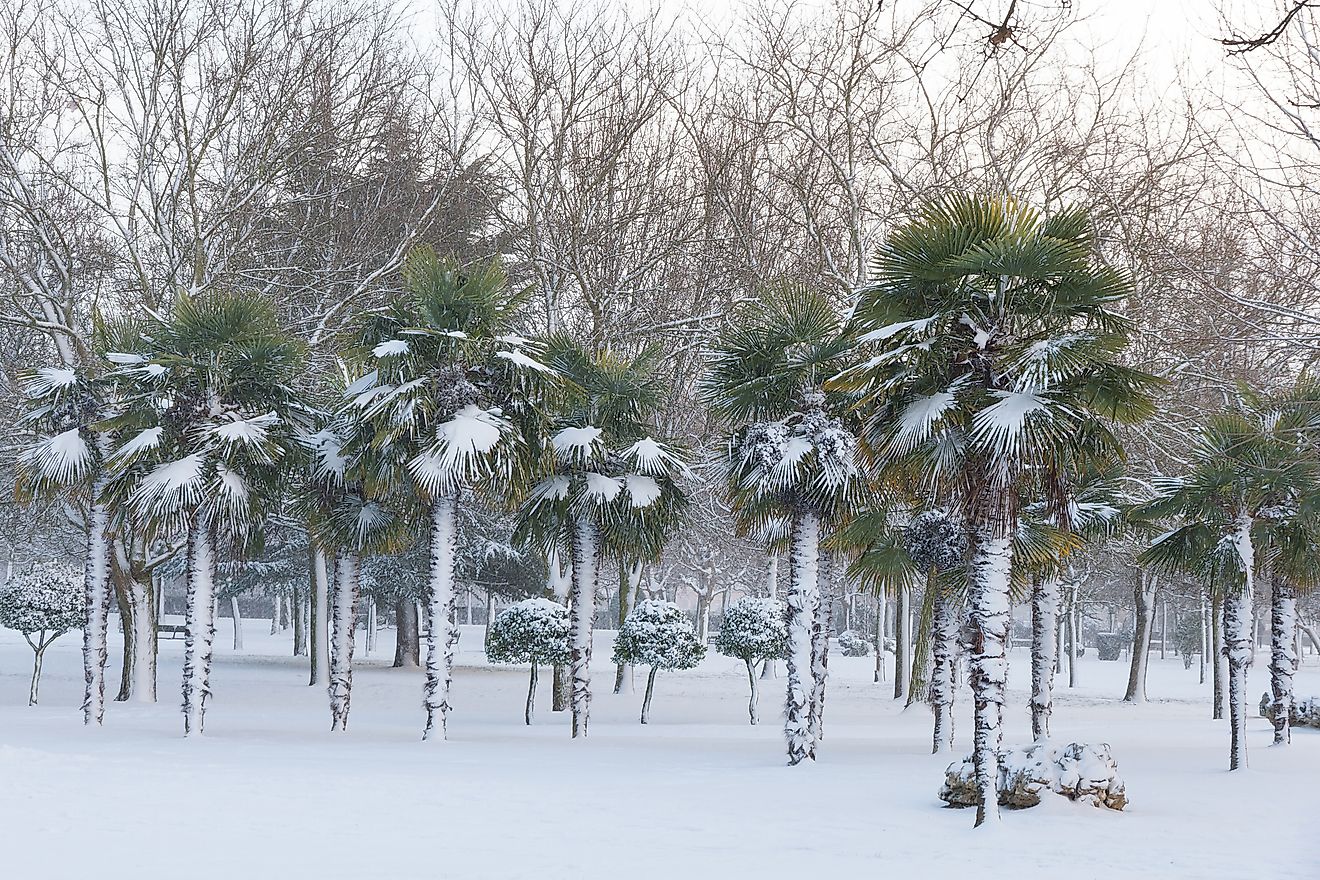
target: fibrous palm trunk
<point>582,616</point>
<point>822,623</point>
<point>1238,639</point>
<point>802,599</point>
<point>990,569</point>
<point>343,604</point>
<point>1283,657</point>
<point>96,599</point>
<point>200,619</point>
<point>442,635</point>
<point>137,610</point>
<point>944,649</point>
<point>1044,620</point>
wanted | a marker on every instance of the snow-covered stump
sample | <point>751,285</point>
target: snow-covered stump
<point>1081,772</point>
<point>991,565</point>
<point>441,635</point>
<point>200,621</point>
<point>343,631</point>
<point>944,651</point>
<point>1044,621</point>
<point>803,590</point>
<point>1283,657</point>
<point>582,616</point>
<point>97,601</point>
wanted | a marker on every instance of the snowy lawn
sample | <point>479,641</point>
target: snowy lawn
<point>270,792</point>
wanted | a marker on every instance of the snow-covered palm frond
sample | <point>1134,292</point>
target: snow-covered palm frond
<point>250,436</point>
<point>459,455</point>
<point>601,489</point>
<point>390,348</point>
<point>170,490</point>
<point>579,445</point>
<point>519,359</point>
<point>328,459</point>
<point>1001,425</point>
<point>643,490</point>
<point>652,458</point>
<point>136,447</point>
<point>50,382</point>
<point>555,488</point>
<point>60,461</point>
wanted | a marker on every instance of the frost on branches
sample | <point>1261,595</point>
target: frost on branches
<point>1078,771</point>
<point>753,632</point>
<point>854,644</point>
<point>657,634</point>
<point>43,605</point>
<point>532,631</point>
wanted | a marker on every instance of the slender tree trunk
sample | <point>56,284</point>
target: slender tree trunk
<point>38,653</point>
<point>1044,619</point>
<point>802,600</point>
<point>407,645</point>
<point>343,605</point>
<point>236,616</point>
<point>646,701</point>
<point>1238,642</point>
<point>561,689</point>
<point>1144,599</point>
<point>276,606</point>
<point>820,659</point>
<point>630,576</point>
<point>371,625</point>
<point>881,612</point>
<point>751,704</point>
<point>1205,639</point>
<point>1283,656</point>
<point>945,651</point>
<point>1164,625</point>
<point>990,570</point>
<point>919,688</point>
<point>1074,627</point>
<point>1218,684</point>
<point>299,605</point>
<point>442,634</point>
<point>531,698</point>
<point>320,617</point>
<point>582,617</point>
<point>96,599</point>
<point>902,636</point>
<point>200,621</point>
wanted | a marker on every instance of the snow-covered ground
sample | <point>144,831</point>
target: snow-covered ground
<point>697,793</point>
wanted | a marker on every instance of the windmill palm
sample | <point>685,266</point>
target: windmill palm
<point>1244,510</point>
<point>612,490</point>
<point>449,392</point>
<point>790,461</point>
<point>990,366</point>
<point>209,426</point>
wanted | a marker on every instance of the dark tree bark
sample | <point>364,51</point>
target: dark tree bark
<point>1144,599</point>
<point>407,642</point>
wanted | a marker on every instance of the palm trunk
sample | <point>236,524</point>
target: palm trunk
<point>137,610</point>
<point>802,599</point>
<point>96,599</point>
<point>630,576</point>
<point>1238,642</point>
<point>990,569</point>
<point>1044,619</point>
<point>646,701</point>
<point>236,616</point>
<point>752,701</point>
<point>320,616</point>
<point>407,647</point>
<point>820,659</point>
<point>531,699</point>
<point>343,604</point>
<point>919,688</point>
<point>1144,599</point>
<point>582,617</point>
<point>1283,657</point>
<point>442,635</point>
<point>200,618</point>
<point>945,651</point>
<point>902,634</point>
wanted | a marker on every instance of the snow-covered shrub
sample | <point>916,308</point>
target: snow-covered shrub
<point>43,604</point>
<point>854,644</point>
<point>1187,638</point>
<point>532,631</point>
<point>1305,712</point>
<point>1110,645</point>
<point>753,630</point>
<point>659,635</point>
<point>1078,771</point>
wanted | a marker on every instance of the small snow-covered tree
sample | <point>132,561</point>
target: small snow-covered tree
<point>754,630</point>
<point>657,634</point>
<point>532,631</point>
<point>854,644</point>
<point>43,605</point>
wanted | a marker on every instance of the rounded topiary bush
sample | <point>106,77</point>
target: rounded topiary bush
<point>854,644</point>
<point>532,631</point>
<point>754,631</point>
<point>659,635</point>
<point>43,604</point>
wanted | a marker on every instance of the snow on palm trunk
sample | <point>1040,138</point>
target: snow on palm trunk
<point>582,615</point>
<point>1283,657</point>
<point>97,598</point>
<point>344,605</point>
<point>991,565</point>
<point>1044,622</point>
<point>802,601</point>
<point>200,621</point>
<point>945,652</point>
<point>1238,628</point>
<point>442,635</point>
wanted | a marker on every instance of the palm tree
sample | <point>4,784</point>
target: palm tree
<point>1246,510</point>
<point>613,487</point>
<point>209,427</point>
<point>449,391</point>
<point>990,366</point>
<point>790,465</point>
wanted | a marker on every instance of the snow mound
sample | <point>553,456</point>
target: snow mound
<point>1078,771</point>
<point>1305,712</point>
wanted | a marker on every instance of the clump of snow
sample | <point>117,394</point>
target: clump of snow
<point>1078,771</point>
<point>391,348</point>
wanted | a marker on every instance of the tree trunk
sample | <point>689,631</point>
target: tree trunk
<point>407,644</point>
<point>343,606</point>
<point>751,704</point>
<point>236,616</point>
<point>582,618</point>
<point>1205,637</point>
<point>630,577</point>
<point>902,640</point>
<point>560,688</point>
<point>1044,619</point>
<point>96,599</point>
<point>137,611</point>
<point>371,625</point>
<point>320,617</point>
<point>38,652</point>
<point>1283,656</point>
<point>299,623</point>
<point>919,686</point>
<point>1217,656</point>
<point>531,698</point>
<point>1074,634</point>
<point>945,652</point>
<point>820,658</point>
<point>276,606</point>
<point>802,600</point>
<point>1144,598</point>
<point>442,634</point>
<point>881,611</point>
<point>646,701</point>
<point>200,620</point>
<point>1238,642</point>
<point>990,570</point>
